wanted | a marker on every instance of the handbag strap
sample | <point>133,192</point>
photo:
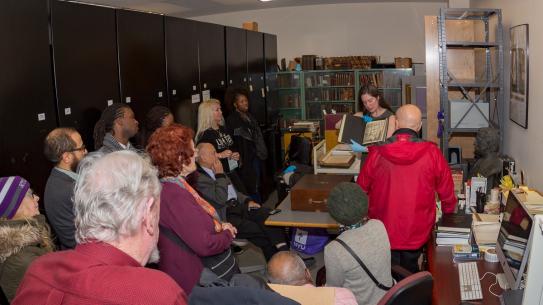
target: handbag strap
<point>381,286</point>
<point>174,238</point>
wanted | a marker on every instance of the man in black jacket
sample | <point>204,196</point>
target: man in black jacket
<point>65,148</point>
<point>233,206</point>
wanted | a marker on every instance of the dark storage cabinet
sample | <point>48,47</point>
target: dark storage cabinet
<point>27,108</point>
<point>142,65</point>
<point>85,61</point>
<point>236,56</point>
<point>255,67</point>
<point>212,60</point>
<point>183,74</point>
<point>270,60</point>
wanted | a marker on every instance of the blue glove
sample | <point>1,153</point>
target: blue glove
<point>356,147</point>
<point>366,118</point>
<point>289,169</point>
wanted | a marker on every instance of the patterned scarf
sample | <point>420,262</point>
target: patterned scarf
<point>208,208</point>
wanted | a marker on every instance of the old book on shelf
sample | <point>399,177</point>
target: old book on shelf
<point>339,158</point>
<point>354,128</point>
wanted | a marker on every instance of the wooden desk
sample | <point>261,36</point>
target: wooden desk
<point>289,218</point>
<point>446,289</point>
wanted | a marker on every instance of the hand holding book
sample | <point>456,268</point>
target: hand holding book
<point>357,147</point>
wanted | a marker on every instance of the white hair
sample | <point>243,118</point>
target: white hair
<point>111,193</point>
<point>205,117</point>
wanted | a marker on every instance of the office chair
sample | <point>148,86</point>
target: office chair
<point>415,289</point>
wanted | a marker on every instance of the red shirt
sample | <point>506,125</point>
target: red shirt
<point>92,274</point>
<point>401,178</point>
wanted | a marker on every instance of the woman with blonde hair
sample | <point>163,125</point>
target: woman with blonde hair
<point>24,234</point>
<point>211,130</point>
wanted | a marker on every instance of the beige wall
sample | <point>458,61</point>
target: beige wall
<point>386,29</point>
<point>524,145</point>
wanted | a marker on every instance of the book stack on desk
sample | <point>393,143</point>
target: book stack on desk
<point>453,229</point>
<point>465,253</point>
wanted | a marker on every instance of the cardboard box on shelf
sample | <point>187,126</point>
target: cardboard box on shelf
<point>251,26</point>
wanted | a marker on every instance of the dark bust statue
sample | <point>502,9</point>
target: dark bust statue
<point>487,162</point>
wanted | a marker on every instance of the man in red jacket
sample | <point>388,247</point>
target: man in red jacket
<point>401,178</point>
<point>116,207</point>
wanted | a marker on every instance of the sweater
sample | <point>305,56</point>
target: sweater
<point>370,243</point>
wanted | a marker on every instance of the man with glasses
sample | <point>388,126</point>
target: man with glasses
<point>65,148</point>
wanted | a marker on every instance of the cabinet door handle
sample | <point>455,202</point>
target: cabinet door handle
<point>311,201</point>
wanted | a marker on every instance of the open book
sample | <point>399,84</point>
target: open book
<point>354,128</point>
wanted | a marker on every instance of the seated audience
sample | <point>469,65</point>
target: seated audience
<point>24,234</point>
<point>117,206</point>
<point>287,268</point>
<point>156,117</point>
<point>116,126</point>
<point>192,235</point>
<point>367,239</point>
<point>211,130</point>
<point>65,148</point>
<point>235,207</point>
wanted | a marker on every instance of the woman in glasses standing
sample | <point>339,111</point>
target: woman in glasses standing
<point>24,234</point>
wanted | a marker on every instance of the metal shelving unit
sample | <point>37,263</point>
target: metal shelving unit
<point>470,104</point>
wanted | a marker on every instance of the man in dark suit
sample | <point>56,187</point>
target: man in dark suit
<point>233,206</point>
<point>65,148</point>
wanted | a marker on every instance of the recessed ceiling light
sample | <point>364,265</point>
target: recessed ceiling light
<point>265,0</point>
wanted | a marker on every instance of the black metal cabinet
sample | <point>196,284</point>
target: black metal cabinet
<point>85,61</point>
<point>27,108</point>
<point>183,73</point>
<point>256,66</point>
<point>211,60</point>
<point>142,65</point>
<point>236,56</point>
<point>270,60</point>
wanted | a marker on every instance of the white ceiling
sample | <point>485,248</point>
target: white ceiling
<point>194,8</point>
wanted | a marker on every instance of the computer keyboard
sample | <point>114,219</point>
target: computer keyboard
<point>470,285</point>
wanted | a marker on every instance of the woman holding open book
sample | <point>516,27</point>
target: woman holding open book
<point>374,108</point>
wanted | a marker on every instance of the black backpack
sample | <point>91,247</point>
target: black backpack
<point>300,150</point>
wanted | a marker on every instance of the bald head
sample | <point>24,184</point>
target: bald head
<point>287,268</point>
<point>409,116</point>
<point>206,155</point>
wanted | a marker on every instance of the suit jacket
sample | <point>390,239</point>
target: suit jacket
<point>215,191</point>
<point>59,207</point>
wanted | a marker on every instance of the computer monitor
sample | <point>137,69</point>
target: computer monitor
<point>514,240</point>
<point>533,293</point>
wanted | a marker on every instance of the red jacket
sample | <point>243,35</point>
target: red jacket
<point>401,178</point>
<point>92,274</point>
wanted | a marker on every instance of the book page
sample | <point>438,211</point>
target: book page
<point>375,131</point>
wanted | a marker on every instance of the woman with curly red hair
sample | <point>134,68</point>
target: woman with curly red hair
<point>191,234</point>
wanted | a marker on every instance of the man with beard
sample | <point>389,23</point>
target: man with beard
<point>116,126</point>
<point>116,208</point>
<point>65,148</point>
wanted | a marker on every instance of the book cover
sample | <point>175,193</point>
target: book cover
<point>455,223</point>
<point>354,128</point>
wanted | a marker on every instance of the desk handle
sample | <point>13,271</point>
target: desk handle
<point>311,201</point>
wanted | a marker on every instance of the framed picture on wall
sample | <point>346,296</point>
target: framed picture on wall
<point>518,103</point>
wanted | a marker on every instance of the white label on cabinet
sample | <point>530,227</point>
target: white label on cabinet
<point>67,111</point>
<point>245,79</point>
<point>295,76</point>
<point>230,81</point>
<point>262,77</point>
<point>222,83</point>
<point>267,88</point>
<point>160,94</point>
<point>41,116</point>
<point>206,95</point>
<point>109,102</point>
<point>195,98</point>
<point>250,79</point>
<point>174,92</point>
<point>262,92</point>
<point>205,85</point>
<point>251,88</point>
<point>193,87</point>
<point>128,99</point>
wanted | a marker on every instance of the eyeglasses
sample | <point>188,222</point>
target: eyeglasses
<point>83,147</point>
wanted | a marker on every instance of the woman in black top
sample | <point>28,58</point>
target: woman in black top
<point>248,141</point>
<point>211,130</point>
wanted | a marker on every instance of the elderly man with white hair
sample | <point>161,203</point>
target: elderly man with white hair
<point>117,206</point>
